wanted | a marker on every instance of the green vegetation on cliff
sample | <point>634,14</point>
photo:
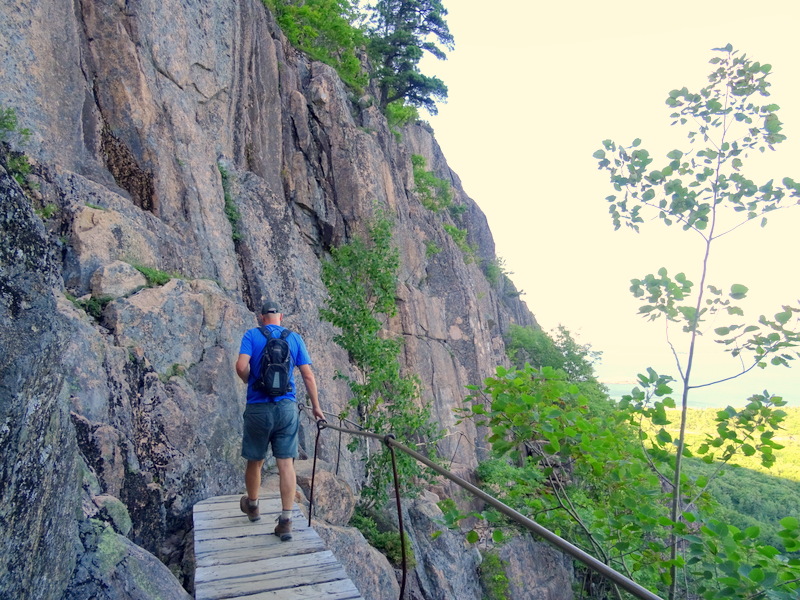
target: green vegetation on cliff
<point>361,278</point>
<point>393,34</point>
<point>325,30</point>
<point>17,163</point>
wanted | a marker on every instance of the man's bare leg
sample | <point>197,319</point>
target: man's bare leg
<point>288,482</point>
<point>252,478</point>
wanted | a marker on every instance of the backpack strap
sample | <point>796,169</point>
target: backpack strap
<point>266,333</point>
<point>285,334</point>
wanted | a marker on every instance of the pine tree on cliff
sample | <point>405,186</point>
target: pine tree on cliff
<point>400,32</point>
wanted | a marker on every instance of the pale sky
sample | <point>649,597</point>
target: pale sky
<point>535,87</point>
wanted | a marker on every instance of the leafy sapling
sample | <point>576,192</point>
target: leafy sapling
<point>703,189</point>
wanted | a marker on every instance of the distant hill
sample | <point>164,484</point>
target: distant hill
<point>749,493</point>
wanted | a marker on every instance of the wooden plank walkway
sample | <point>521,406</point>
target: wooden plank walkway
<point>236,558</point>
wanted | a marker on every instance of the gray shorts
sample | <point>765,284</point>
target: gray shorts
<point>270,423</point>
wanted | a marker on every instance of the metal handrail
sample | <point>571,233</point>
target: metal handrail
<point>590,561</point>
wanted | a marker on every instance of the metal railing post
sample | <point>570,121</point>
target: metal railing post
<point>386,440</point>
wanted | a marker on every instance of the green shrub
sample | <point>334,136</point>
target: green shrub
<point>47,212</point>
<point>324,30</point>
<point>495,270</point>
<point>398,114</point>
<point>431,249</point>
<point>435,194</point>
<point>154,276</point>
<point>460,238</point>
<point>176,370</point>
<point>361,280</point>
<point>387,542</point>
<point>17,164</point>
<point>457,211</point>
<point>92,306</point>
<point>493,577</point>
<point>9,127</point>
<point>231,210</point>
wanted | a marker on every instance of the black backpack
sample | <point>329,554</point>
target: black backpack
<point>275,366</point>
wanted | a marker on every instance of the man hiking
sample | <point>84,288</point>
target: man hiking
<point>273,420</point>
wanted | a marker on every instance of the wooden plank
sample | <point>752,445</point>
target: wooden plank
<point>223,502</point>
<point>236,558</point>
<point>267,567</point>
<point>247,578</point>
<point>255,542</point>
<point>342,589</point>
<point>245,529</point>
<point>301,544</point>
<point>230,518</point>
<point>246,585</point>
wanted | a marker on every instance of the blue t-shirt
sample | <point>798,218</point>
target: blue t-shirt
<point>253,344</point>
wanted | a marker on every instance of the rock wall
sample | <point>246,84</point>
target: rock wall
<point>121,409</point>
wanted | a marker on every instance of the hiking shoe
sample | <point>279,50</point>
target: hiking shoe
<point>284,529</point>
<point>249,509</point>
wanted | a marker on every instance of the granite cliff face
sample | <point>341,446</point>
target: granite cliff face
<point>113,424</point>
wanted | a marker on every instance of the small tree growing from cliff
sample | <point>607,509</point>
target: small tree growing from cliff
<point>703,190</point>
<point>361,277</point>
<point>400,32</point>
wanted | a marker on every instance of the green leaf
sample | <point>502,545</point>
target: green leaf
<point>599,154</point>
<point>675,155</point>
<point>663,389</point>
<point>783,317</point>
<point>790,523</point>
<point>497,536</point>
<point>738,291</point>
<point>768,551</point>
<point>473,536</point>
<point>752,532</point>
<point>756,575</point>
<point>772,123</point>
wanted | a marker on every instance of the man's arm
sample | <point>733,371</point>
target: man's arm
<point>243,367</point>
<point>311,387</point>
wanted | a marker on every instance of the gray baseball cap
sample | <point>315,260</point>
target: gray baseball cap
<point>270,307</point>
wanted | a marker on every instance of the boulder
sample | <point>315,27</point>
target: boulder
<point>334,501</point>
<point>369,570</point>
<point>536,570</point>
<point>447,567</point>
<point>112,567</point>
<point>116,279</point>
